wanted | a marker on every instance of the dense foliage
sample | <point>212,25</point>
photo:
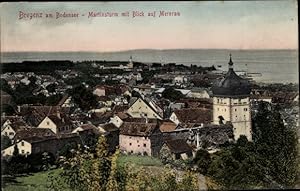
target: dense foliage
<point>270,161</point>
<point>83,97</point>
<point>37,66</point>
<point>172,94</point>
<point>97,170</point>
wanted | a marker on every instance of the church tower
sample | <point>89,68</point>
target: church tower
<point>231,103</point>
<point>130,63</point>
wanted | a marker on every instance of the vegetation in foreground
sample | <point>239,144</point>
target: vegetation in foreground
<point>270,161</point>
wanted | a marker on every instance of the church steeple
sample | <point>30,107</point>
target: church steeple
<point>230,63</point>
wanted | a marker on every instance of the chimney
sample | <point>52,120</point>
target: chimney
<point>58,114</point>
<point>197,141</point>
<point>19,109</point>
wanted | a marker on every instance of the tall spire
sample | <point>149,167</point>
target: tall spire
<point>230,63</point>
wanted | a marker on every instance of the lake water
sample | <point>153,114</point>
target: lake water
<point>274,65</point>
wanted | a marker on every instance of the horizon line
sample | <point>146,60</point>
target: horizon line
<point>153,49</point>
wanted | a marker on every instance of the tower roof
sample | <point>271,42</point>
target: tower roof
<point>231,85</point>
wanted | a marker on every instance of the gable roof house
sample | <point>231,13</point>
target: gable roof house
<point>192,116</point>
<point>66,101</point>
<point>36,113</point>
<point>105,90</point>
<point>11,126</point>
<point>111,132</point>
<point>43,140</point>
<point>178,148</point>
<point>57,123</point>
<point>145,109</point>
<point>140,138</point>
<point>86,127</point>
<point>23,146</point>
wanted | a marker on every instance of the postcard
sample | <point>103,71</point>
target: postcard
<point>165,95</point>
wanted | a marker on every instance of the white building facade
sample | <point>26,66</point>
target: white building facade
<point>231,103</point>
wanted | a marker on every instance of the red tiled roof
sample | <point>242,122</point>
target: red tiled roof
<point>109,127</point>
<point>178,146</point>
<point>33,132</point>
<point>194,115</point>
<point>167,126</point>
<point>88,127</point>
<point>120,108</point>
<point>138,129</point>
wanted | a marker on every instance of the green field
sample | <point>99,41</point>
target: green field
<point>139,160</point>
<point>39,181</point>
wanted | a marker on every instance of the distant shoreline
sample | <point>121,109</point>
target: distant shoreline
<point>130,50</point>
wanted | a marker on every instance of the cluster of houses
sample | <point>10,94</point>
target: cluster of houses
<point>144,124</point>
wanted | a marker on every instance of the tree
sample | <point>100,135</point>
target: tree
<point>4,86</point>
<point>53,100</point>
<point>165,155</point>
<point>270,161</point>
<point>83,97</point>
<point>172,94</point>
<point>135,94</point>
<point>87,170</point>
<point>7,109</point>
<point>236,167</point>
<point>189,182</point>
<point>16,151</point>
<point>112,183</point>
<point>51,87</point>
<point>276,143</point>
<point>202,160</point>
<point>5,142</point>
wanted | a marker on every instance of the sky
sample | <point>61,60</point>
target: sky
<point>201,24</point>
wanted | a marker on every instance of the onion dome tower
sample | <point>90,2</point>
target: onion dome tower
<point>231,103</point>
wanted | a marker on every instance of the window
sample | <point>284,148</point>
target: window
<point>22,143</point>
<point>137,141</point>
<point>145,145</point>
<point>234,109</point>
<point>23,151</point>
<point>138,145</point>
<point>48,123</point>
<point>5,133</point>
<point>218,100</point>
<point>130,144</point>
<point>245,109</point>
